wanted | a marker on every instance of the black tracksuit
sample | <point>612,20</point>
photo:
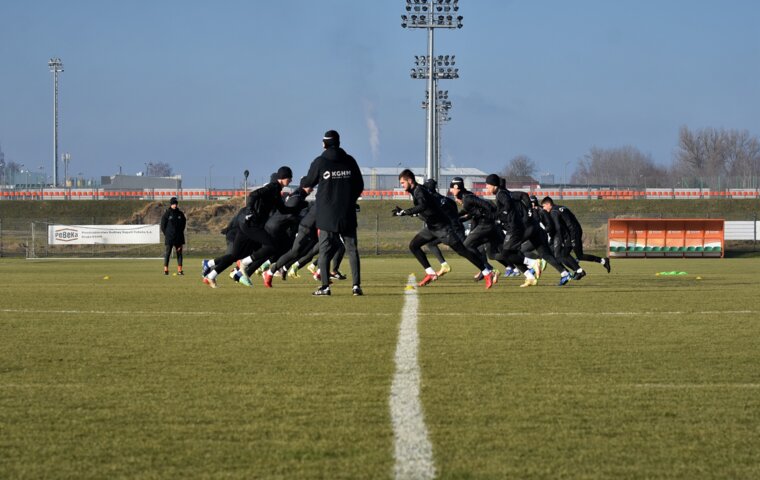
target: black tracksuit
<point>438,226</point>
<point>173,224</point>
<point>509,216</point>
<point>251,235</point>
<point>283,226</point>
<point>449,207</point>
<point>305,240</point>
<point>483,215</point>
<point>561,242</point>
<point>231,230</point>
<point>339,184</point>
<point>536,238</point>
<point>572,226</point>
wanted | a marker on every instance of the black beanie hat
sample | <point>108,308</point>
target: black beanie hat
<point>493,179</point>
<point>331,139</point>
<point>284,172</point>
<point>430,184</point>
<point>173,201</point>
<point>458,181</point>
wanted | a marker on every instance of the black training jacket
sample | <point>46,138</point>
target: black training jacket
<point>478,209</point>
<point>263,201</point>
<point>339,184</point>
<point>546,220</point>
<point>569,222</point>
<point>173,226</point>
<point>508,213</point>
<point>449,207</point>
<point>428,208</point>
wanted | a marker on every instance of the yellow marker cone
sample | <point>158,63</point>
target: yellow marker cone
<point>106,277</point>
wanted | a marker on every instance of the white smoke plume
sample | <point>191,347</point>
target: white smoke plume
<point>374,131</point>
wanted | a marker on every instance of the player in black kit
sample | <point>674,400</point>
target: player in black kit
<point>438,226</point>
<point>569,236</point>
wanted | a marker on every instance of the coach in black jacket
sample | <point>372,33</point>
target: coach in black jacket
<point>339,184</point>
<point>173,227</point>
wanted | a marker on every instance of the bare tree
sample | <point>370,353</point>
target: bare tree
<point>710,157</point>
<point>159,169</point>
<point>9,171</point>
<point>520,166</point>
<point>622,166</point>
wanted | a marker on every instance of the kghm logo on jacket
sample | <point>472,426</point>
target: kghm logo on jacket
<point>339,174</point>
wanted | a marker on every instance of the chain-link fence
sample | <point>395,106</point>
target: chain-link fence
<point>379,234</point>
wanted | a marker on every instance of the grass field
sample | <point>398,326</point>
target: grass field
<point>626,375</point>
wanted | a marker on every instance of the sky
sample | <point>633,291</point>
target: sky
<point>215,88</point>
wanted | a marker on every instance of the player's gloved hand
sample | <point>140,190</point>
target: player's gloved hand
<point>397,212</point>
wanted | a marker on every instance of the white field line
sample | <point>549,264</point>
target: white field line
<point>57,259</point>
<point>412,448</point>
<point>388,314</point>
<point>189,314</point>
<point>596,314</point>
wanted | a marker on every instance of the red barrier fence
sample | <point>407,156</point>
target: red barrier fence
<point>200,194</point>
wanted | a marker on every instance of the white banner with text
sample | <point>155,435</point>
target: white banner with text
<point>103,234</point>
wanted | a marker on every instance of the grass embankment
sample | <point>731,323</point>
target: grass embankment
<point>379,232</point>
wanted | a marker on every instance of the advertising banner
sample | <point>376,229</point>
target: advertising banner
<point>103,234</point>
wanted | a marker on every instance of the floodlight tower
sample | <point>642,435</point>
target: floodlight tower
<point>430,14</point>
<point>443,105</point>
<point>56,67</point>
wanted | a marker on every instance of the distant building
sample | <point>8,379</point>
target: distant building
<point>546,179</point>
<point>140,182</point>
<point>522,183</point>
<point>386,178</point>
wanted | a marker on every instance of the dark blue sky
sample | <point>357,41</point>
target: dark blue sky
<point>235,85</point>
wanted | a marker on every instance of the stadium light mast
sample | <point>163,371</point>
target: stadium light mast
<point>431,14</point>
<point>56,67</point>
<point>443,106</point>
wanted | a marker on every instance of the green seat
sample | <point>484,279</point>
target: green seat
<point>631,248</point>
<point>716,249</point>
<point>639,249</point>
<point>681,249</point>
<point>700,249</point>
<point>672,249</point>
<point>647,248</point>
<point>656,249</point>
<point>690,249</point>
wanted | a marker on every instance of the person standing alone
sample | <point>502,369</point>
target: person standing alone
<point>173,227</point>
<point>339,184</point>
